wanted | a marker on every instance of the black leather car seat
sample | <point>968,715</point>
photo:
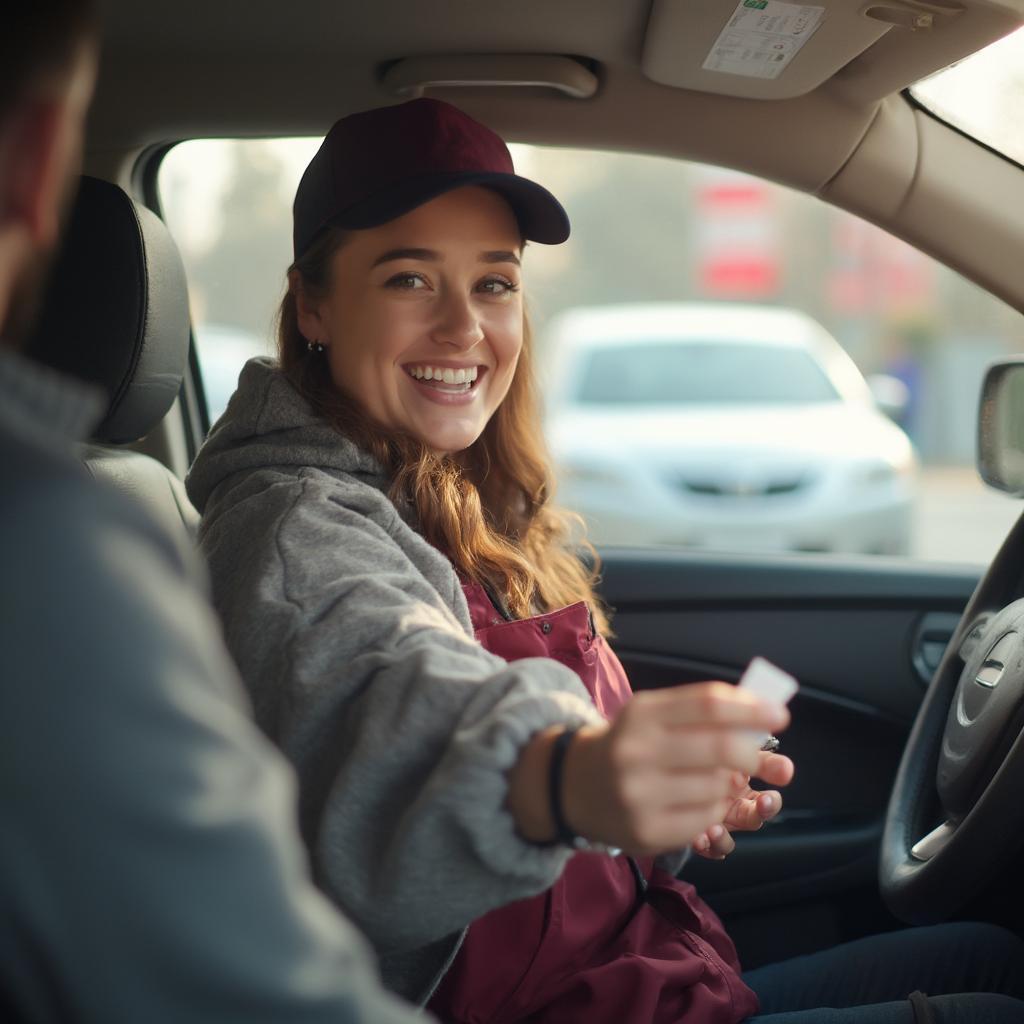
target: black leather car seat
<point>116,314</point>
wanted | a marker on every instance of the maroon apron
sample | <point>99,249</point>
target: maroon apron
<point>611,940</point>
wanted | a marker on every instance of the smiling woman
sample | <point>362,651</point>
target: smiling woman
<point>400,321</point>
<point>331,471</point>
<point>433,290</point>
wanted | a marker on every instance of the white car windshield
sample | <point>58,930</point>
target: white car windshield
<point>702,373</point>
<point>983,95</point>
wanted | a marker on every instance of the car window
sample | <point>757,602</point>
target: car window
<point>725,364</point>
<point>983,95</point>
<point>702,374</point>
<point>228,205</point>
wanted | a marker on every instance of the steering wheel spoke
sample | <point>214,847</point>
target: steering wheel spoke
<point>964,758</point>
<point>928,846</point>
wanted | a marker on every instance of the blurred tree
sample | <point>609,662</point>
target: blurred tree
<point>632,238</point>
<point>241,274</point>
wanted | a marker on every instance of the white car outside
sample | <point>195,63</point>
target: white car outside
<point>734,427</point>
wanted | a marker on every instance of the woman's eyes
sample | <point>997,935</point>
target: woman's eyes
<point>495,285</point>
<point>406,282</point>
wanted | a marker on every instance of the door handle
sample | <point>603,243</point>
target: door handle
<point>931,638</point>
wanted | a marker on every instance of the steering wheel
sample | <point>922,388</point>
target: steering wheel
<point>956,813</point>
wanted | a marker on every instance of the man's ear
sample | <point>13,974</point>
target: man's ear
<point>307,309</point>
<point>33,176</point>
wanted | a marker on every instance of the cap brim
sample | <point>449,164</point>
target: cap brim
<point>540,215</point>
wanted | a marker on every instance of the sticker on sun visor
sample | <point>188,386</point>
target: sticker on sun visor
<point>762,37</point>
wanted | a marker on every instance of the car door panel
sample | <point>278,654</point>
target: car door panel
<point>859,634</point>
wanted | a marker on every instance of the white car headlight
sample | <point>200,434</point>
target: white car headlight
<point>881,471</point>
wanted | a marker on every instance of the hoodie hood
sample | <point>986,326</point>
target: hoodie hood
<point>269,425</point>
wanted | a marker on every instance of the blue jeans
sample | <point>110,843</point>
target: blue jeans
<point>972,974</point>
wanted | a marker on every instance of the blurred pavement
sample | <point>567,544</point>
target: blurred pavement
<point>958,518</point>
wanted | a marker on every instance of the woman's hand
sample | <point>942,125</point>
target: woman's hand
<point>662,773</point>
<point>750,808</point>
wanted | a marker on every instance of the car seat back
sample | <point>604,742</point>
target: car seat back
<point>116,315</point>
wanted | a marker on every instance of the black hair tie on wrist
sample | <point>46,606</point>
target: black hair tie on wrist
<point>563,833</point>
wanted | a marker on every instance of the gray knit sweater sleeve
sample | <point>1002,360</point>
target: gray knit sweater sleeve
<point>353,635</point>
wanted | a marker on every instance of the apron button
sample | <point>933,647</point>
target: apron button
<point>545,627</point>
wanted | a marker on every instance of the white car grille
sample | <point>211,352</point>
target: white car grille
<point>770,487</point>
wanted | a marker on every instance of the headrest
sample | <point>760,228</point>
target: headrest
<point>115,312</point>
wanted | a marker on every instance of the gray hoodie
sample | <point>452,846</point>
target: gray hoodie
<point>354,638</point>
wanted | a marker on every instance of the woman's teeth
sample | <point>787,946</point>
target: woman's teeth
<point>461,379</point>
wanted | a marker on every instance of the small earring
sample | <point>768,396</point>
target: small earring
<point>315,346</point>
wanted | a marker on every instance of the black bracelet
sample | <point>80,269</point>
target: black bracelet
<point>563,834</point>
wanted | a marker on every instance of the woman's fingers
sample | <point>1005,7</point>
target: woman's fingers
<point>751,812</point>
<point>665,771</point>
<point>658,789</point>
<point>769,804</point>
<point>775,769</point>
<point>689,749</point>
<point>677,828</point>
<point>695,726</point>
<point>716,843</point>
<point>746,814</point>
<point>712,704</point>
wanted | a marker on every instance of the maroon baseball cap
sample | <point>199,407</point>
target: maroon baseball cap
<point>377,165</point>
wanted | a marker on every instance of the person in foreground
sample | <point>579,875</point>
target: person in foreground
<point>420,637</point>
<point>151,868</point>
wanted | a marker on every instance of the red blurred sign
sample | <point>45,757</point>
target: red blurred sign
<point>874,272</point>
<point>740,275</point>
<point>728,195</point>
<point>738,243</point>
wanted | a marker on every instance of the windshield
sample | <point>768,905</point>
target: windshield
<point>983,95</point>
<point>703,373</point>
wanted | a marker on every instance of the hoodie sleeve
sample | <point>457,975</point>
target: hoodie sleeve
<point>401,725</point>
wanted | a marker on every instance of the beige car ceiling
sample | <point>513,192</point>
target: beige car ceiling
<point>640,76</point>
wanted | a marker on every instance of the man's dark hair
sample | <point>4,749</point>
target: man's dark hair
<point>37,38</point>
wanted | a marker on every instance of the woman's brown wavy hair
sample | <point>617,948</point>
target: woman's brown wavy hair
<point>488,508</point>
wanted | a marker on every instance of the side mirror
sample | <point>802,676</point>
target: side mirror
<point>891,395</point>
<point>1001,427</point>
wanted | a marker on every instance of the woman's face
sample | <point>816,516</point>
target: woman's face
<point>423,322</point>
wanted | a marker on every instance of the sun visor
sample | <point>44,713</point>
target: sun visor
<point>774,50</point>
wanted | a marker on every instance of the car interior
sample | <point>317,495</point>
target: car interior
<point>118,317</point>
<point>879,644</point>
